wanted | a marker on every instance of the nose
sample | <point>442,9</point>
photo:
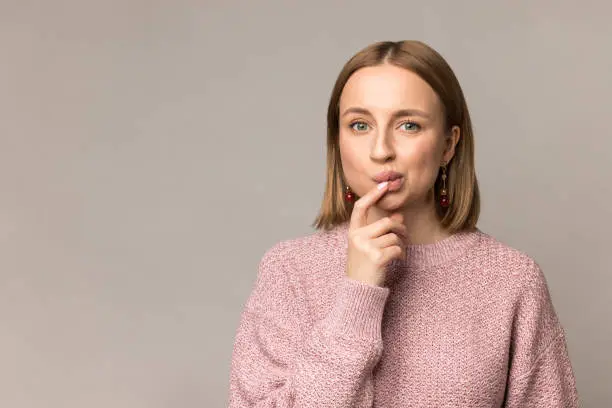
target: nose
<point>382,147</point>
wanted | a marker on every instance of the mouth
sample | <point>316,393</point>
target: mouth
<point>387,176</point>
<point>395,184</point>
<point>395,179</point>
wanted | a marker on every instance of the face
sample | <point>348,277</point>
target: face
<point>392,120</point>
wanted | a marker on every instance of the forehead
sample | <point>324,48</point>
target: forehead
<point>386,88</point>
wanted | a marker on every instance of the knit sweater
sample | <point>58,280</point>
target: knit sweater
<point>464,322</point>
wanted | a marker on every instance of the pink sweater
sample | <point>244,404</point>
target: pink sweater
<point>464,322</point>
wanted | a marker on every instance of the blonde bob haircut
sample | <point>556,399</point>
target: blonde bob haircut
<point>461,183</point>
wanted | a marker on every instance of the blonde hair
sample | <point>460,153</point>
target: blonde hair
<point>461,182</point>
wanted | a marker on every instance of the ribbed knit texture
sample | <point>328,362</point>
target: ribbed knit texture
<point>465,322</point>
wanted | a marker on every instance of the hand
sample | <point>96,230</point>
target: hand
<point>372,246</point>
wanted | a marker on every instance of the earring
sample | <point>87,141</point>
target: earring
<point>444,200</point>
<point>349,196</point>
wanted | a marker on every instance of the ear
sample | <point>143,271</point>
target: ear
<point>450,143</point>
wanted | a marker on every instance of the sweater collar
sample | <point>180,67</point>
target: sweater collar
<point>428,255</point>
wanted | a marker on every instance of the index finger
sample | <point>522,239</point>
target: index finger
<point>361,207</point>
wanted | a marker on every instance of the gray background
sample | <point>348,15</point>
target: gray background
<point>152,151</point>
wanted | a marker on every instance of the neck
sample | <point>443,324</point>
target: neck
<point>421,221</point>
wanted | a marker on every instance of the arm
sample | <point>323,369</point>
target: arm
<point>278,364</point>
<point>541,373</point>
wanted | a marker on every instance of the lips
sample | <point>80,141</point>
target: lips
<point>387,176</point>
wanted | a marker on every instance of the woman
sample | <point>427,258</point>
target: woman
<point>398,299</point>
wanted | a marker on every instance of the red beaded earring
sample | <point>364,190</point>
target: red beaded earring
<point>349,196</point>
<point>444,200</point>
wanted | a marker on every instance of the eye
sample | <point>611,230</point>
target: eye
<point>361,126</point>
<point>410,126</point>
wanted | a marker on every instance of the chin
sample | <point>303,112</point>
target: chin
<point>391,202</point>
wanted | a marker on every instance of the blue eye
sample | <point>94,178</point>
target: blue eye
<point>411,126</point>
<point>361,128</point>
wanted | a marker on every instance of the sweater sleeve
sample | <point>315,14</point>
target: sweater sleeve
<point>277,363</point>
<point>540,373</point>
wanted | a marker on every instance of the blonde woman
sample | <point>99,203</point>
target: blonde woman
<point>398,299</point>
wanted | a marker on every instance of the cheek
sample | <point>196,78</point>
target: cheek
<point>352,156</point>
<point>422,165</point>
<point>354,166</point>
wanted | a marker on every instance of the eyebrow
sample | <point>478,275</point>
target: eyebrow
<point>397,114</point>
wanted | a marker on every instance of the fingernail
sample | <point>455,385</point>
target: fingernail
<point>382,185</point>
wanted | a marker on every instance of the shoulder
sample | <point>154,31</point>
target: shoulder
<point>534,320</point>
<point>301,268</point>
<point>317,246</point>
<point>521,282</point>
<point>515,265</point>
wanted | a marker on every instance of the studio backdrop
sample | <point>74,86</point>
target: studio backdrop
<point>152,151</point>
